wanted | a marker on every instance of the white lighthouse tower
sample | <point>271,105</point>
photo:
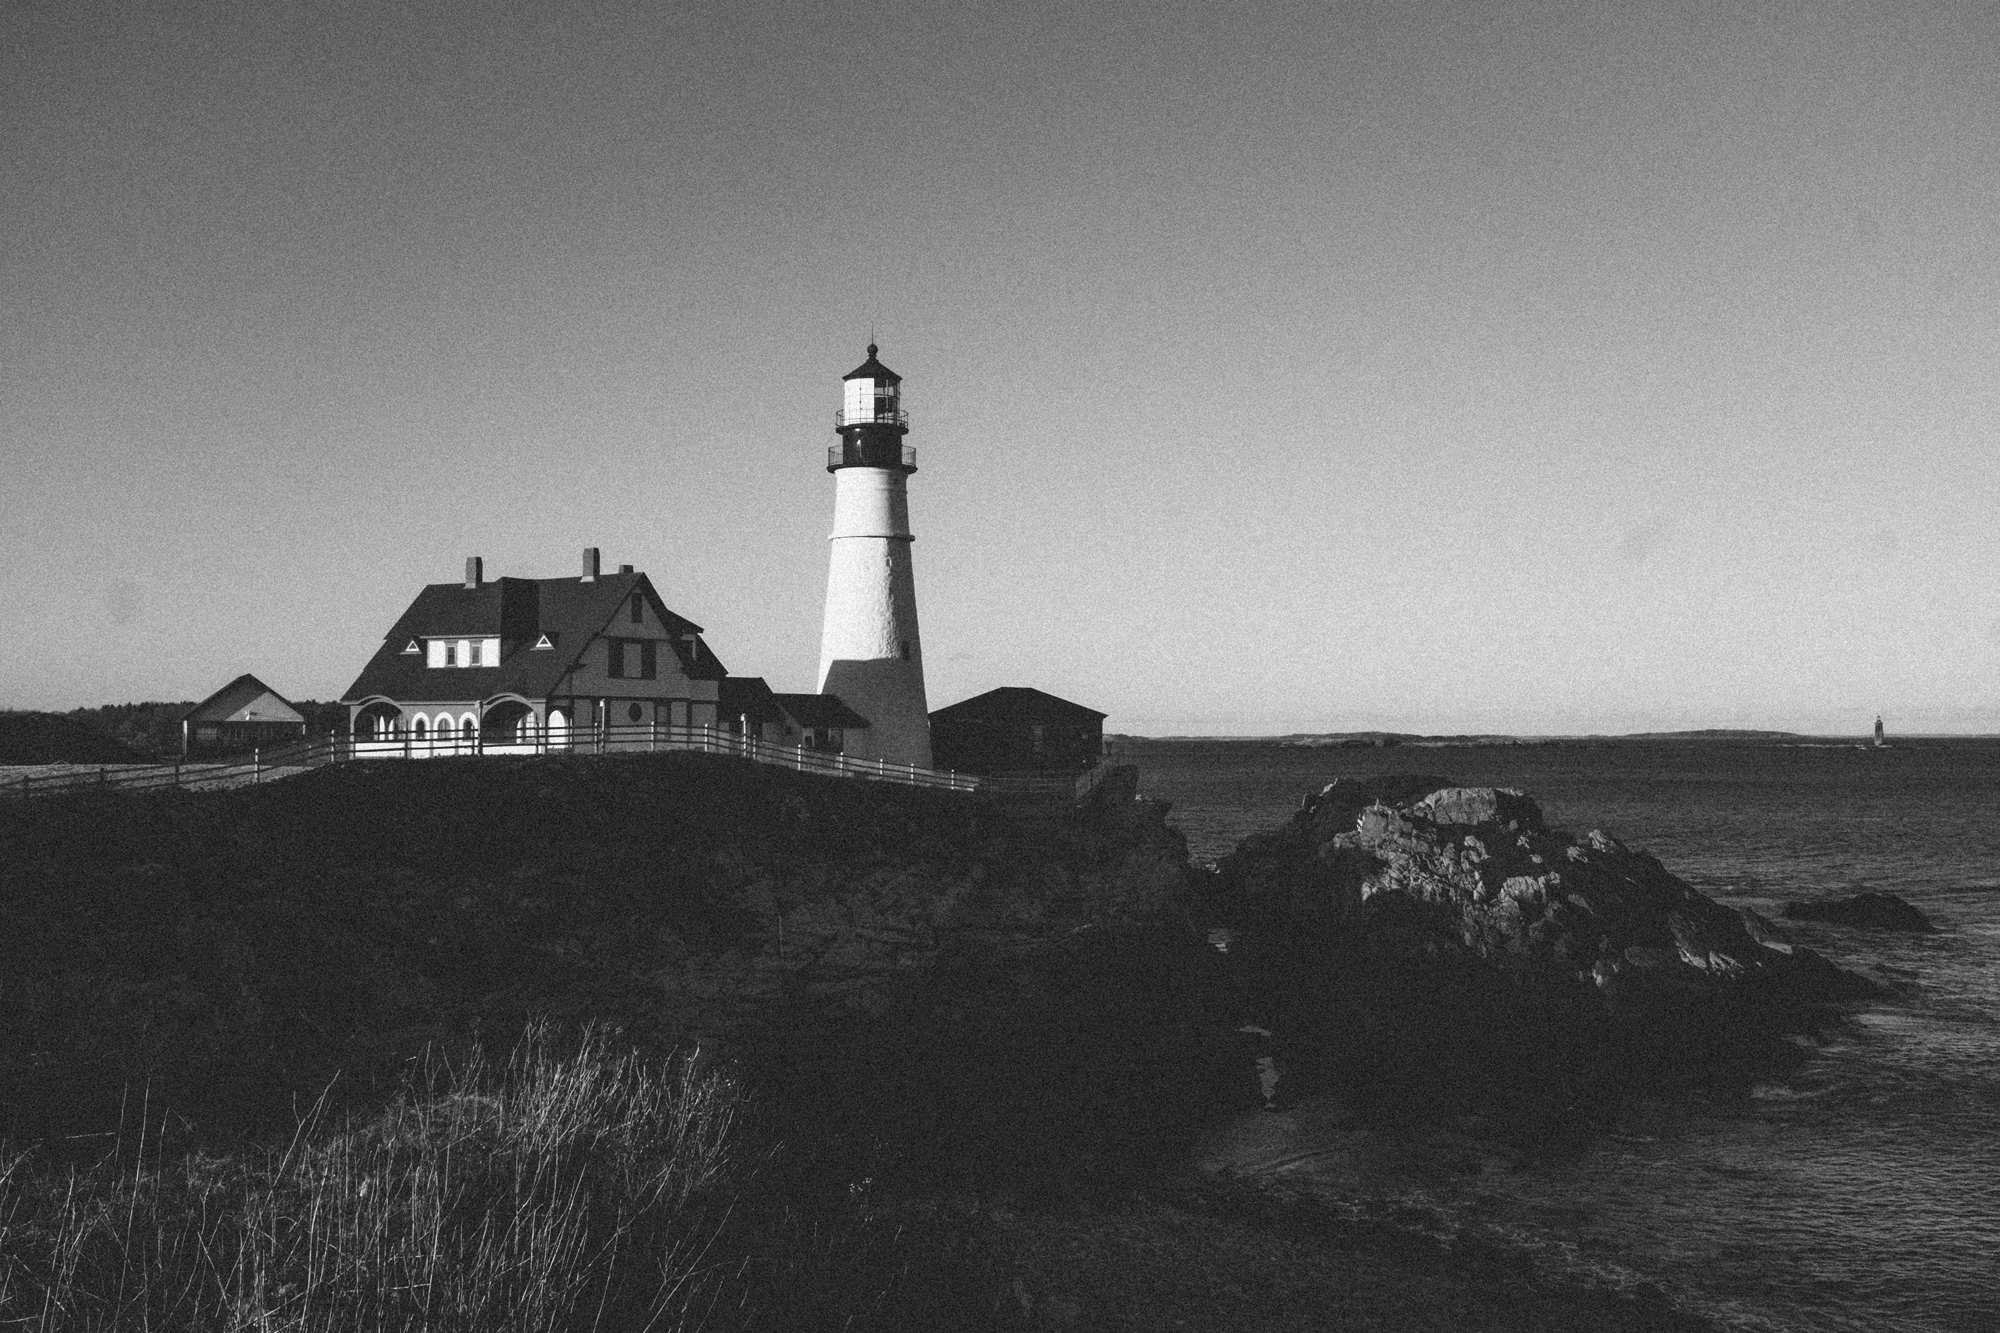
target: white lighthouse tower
<point>869,651</point>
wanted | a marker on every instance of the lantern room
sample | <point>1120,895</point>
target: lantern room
<point>871,420</point>
<point>873,395</point>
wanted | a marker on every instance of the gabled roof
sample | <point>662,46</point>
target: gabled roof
<point>739,696</point>
<point>519,612</point>
<point>246,689</point>
<point>1015,703</point>
<point>820,710</point>
<point>874,370</point>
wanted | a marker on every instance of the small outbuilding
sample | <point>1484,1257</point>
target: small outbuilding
<point>746,705</point>
<point>244,715</point>
<point>1015,729</point>
<point>819,721</point>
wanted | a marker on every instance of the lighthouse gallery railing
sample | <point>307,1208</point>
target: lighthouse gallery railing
<point>836,456</point>
<point>897,417</point>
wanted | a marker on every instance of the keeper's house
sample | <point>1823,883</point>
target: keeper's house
<point>1017,730</point>
<point>517,665</point>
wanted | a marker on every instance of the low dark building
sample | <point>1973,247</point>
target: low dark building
<point>244,715</point>
<point>819,721</point>
<point>1015,729</point>
<point>746,704</point>
<point>816,721</point>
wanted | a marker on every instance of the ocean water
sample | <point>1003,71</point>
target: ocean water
<point>1860,1192</point>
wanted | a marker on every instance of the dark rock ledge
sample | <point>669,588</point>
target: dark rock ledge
<point>1427,950</point>
<point>1479,868</point>
<point>1870,911</point>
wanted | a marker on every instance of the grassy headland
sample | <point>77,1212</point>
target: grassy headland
<point>791,1053</point>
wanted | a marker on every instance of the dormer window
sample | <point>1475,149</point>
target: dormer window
<point>413,647</point>
<point>544,643</point>
<point>464,652</point>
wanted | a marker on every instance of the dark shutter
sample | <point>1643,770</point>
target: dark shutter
<point>649,659</point>
<point>614,658</point>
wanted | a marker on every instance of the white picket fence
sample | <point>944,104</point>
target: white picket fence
<point>270,764</point>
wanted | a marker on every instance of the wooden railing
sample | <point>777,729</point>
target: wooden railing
<point>267,765</point>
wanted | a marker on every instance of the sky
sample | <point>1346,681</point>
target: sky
<point>1527,367</point>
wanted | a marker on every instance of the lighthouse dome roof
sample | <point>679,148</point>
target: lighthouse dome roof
<point>872,369</point>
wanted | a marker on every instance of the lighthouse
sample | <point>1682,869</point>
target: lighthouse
<point>869,651</point>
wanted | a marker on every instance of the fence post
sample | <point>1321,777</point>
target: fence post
<point>256,764</point>
<point>653,736</point>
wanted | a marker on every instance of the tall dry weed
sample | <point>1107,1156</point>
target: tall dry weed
<point>573,1187</point>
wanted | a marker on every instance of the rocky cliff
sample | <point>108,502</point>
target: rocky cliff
<point>1479,868</point>
<point>1429,948</point>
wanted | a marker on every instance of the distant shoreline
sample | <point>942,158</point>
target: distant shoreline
<point>1362,740</point>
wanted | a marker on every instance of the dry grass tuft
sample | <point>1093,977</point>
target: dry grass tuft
<point>573,1188</point>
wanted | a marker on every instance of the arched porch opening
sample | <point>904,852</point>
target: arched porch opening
<point>378,729</point>
<point>509,724</point>
<point>377,722</point>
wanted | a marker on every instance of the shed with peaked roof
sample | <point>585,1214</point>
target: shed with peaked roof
<point>244,715</point>
<point>819,721</point>
<point>748,706</point>
<point>1017,729</point>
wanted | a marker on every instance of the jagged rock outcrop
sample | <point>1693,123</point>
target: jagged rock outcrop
<point>1868,910</point>
<point>1477,869</point>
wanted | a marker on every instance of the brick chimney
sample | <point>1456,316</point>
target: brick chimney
<point>475,571</point>
<point>624,569</point>
<point>590,564</point>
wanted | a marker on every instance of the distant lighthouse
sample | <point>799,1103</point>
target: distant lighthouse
<point>869,650</point>
<point>1879,742</point>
